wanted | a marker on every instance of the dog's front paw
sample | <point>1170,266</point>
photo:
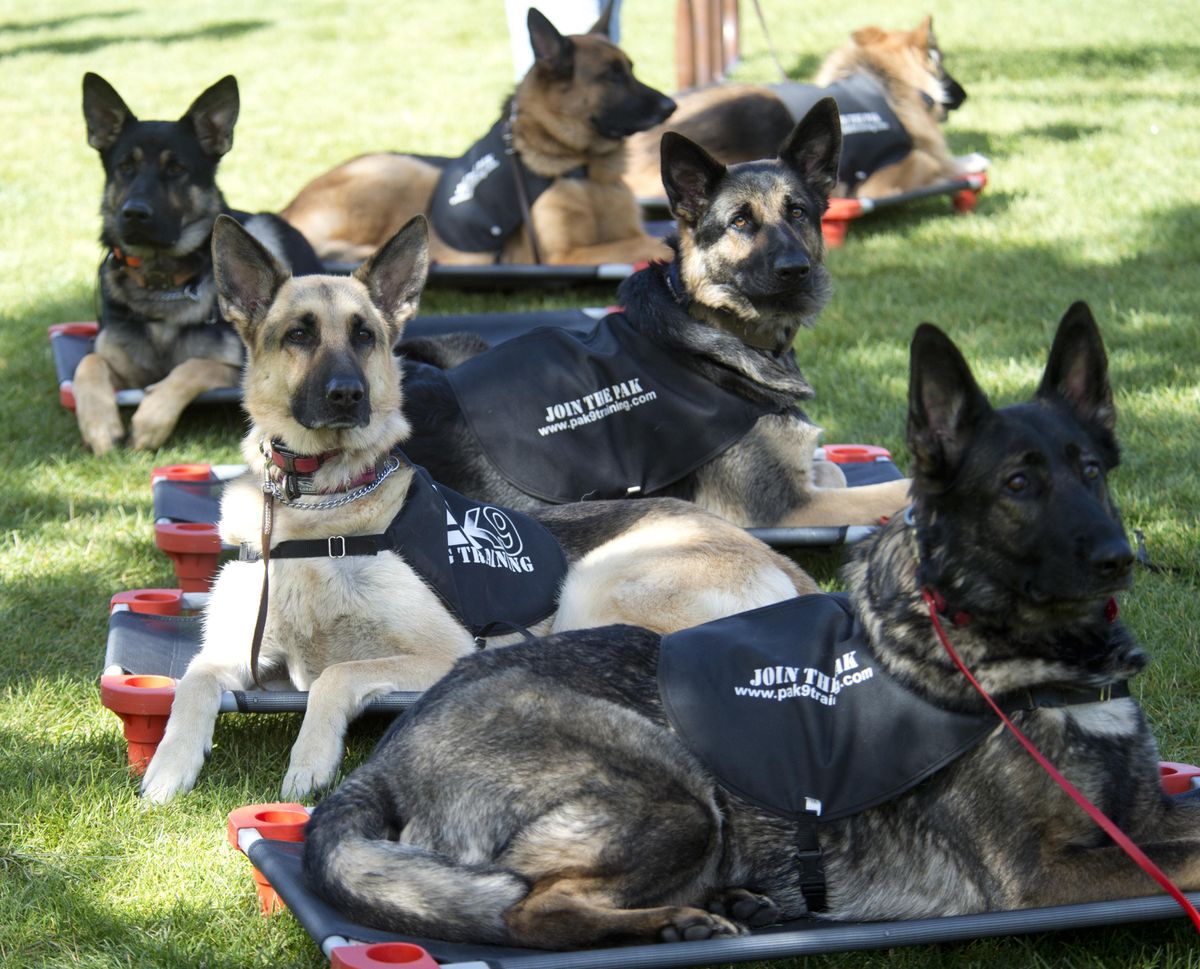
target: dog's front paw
<point>309,771</point>
<point>171,771</point>
<point>102,433</point>
<point>692,924</point>
<point>826,474</point>
<point>744,907</point>
<point>151,425</point>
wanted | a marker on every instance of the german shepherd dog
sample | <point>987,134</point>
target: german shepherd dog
<point>320,381</point>
<point>159,326</point>
<point>747,272</point>
<point>898,72</point>
<point>564,129</point>
<point>540,796</point>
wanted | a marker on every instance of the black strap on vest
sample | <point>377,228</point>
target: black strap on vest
<point>334,547</point>
<point>493,568</point>
<point>474,207</point>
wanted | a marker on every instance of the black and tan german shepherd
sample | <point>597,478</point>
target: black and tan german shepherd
<point>894,91</point>
<point>549,794</point>
<point>560,142</point>
<point>747,272</point>
<point>380,579</point>
<point>159,325</point>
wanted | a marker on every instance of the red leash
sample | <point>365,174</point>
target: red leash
<point>1122,840</point>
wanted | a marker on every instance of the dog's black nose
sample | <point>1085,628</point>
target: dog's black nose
<point>344,391</point>
<point>791,266</point>
<point>666,106</point>
<point>1111,559</point>
<point>136,212</point>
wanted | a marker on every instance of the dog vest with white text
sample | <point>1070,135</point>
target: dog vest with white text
<point>493,568</point>
<point>606,414</point>
<point>790,710</point>
<point>475,205</point>
<point>872,135</point>
<point>490,566</point>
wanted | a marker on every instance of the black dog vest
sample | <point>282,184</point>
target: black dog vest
<point>492,567</point>
<point>606,414</point>
<point>475,205</point>
<point>790,710</point>
<point>872,135</point>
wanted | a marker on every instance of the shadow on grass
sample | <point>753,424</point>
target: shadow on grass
<point>86,45</point>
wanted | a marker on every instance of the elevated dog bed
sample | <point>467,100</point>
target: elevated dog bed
<point>71,342</point>
<point>271,837</point>
<point>524,275</point>
<point>152,636</point>
<point>964,192</point>
<point>187,501</point>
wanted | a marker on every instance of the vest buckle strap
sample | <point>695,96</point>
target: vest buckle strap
<point>340,546</point>
<point>811,871</point>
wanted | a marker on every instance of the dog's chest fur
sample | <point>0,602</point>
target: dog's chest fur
<point>323,611</point>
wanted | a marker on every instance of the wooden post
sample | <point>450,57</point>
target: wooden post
<point>706,41</point>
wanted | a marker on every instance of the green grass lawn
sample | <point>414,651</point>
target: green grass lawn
<point>1089,112</point>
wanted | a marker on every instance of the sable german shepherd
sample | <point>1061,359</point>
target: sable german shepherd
<point>566,127</point>
<point>748,271</point>
<point>898,72</point>
<point>541,796</point>
<point>321,388</point>
<point>159,325</point>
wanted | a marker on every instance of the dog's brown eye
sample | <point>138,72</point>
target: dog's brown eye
<point>797,212</point>
<point>1017,483</point>
<point>740,222</point>
<point>363,337</point>
<point>1091,471</point>
<point>298,336</point>
<point>126,167</point>
<point>174,168</point>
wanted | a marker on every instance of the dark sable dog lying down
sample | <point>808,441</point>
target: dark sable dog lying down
<point>564,793</point>
<point>692,392</point>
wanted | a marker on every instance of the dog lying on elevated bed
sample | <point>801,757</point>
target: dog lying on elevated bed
<point>614,786</point>
<point>544,185</point>
<point>692,391</point>
<point>893,90</point>
<point>159,324</point>
<point>378,578</point>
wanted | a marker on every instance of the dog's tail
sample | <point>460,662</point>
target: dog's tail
<point>352,858</point>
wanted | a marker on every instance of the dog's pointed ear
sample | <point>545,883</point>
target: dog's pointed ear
<point>944,404</point>
<point>866,36</point>
<point>213,116</point>
<point>553,54</point>
<point>247,275</point>
<point>395,274</point>
<point>923,33</point>
<point>814,147</point>
<point>1077,371</point>
<point>603,25</point>
<point>690,175</point>
<point>104,111</point>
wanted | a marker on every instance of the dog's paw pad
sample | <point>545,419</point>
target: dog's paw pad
<point>692,925</point>
<point>745,907</point>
